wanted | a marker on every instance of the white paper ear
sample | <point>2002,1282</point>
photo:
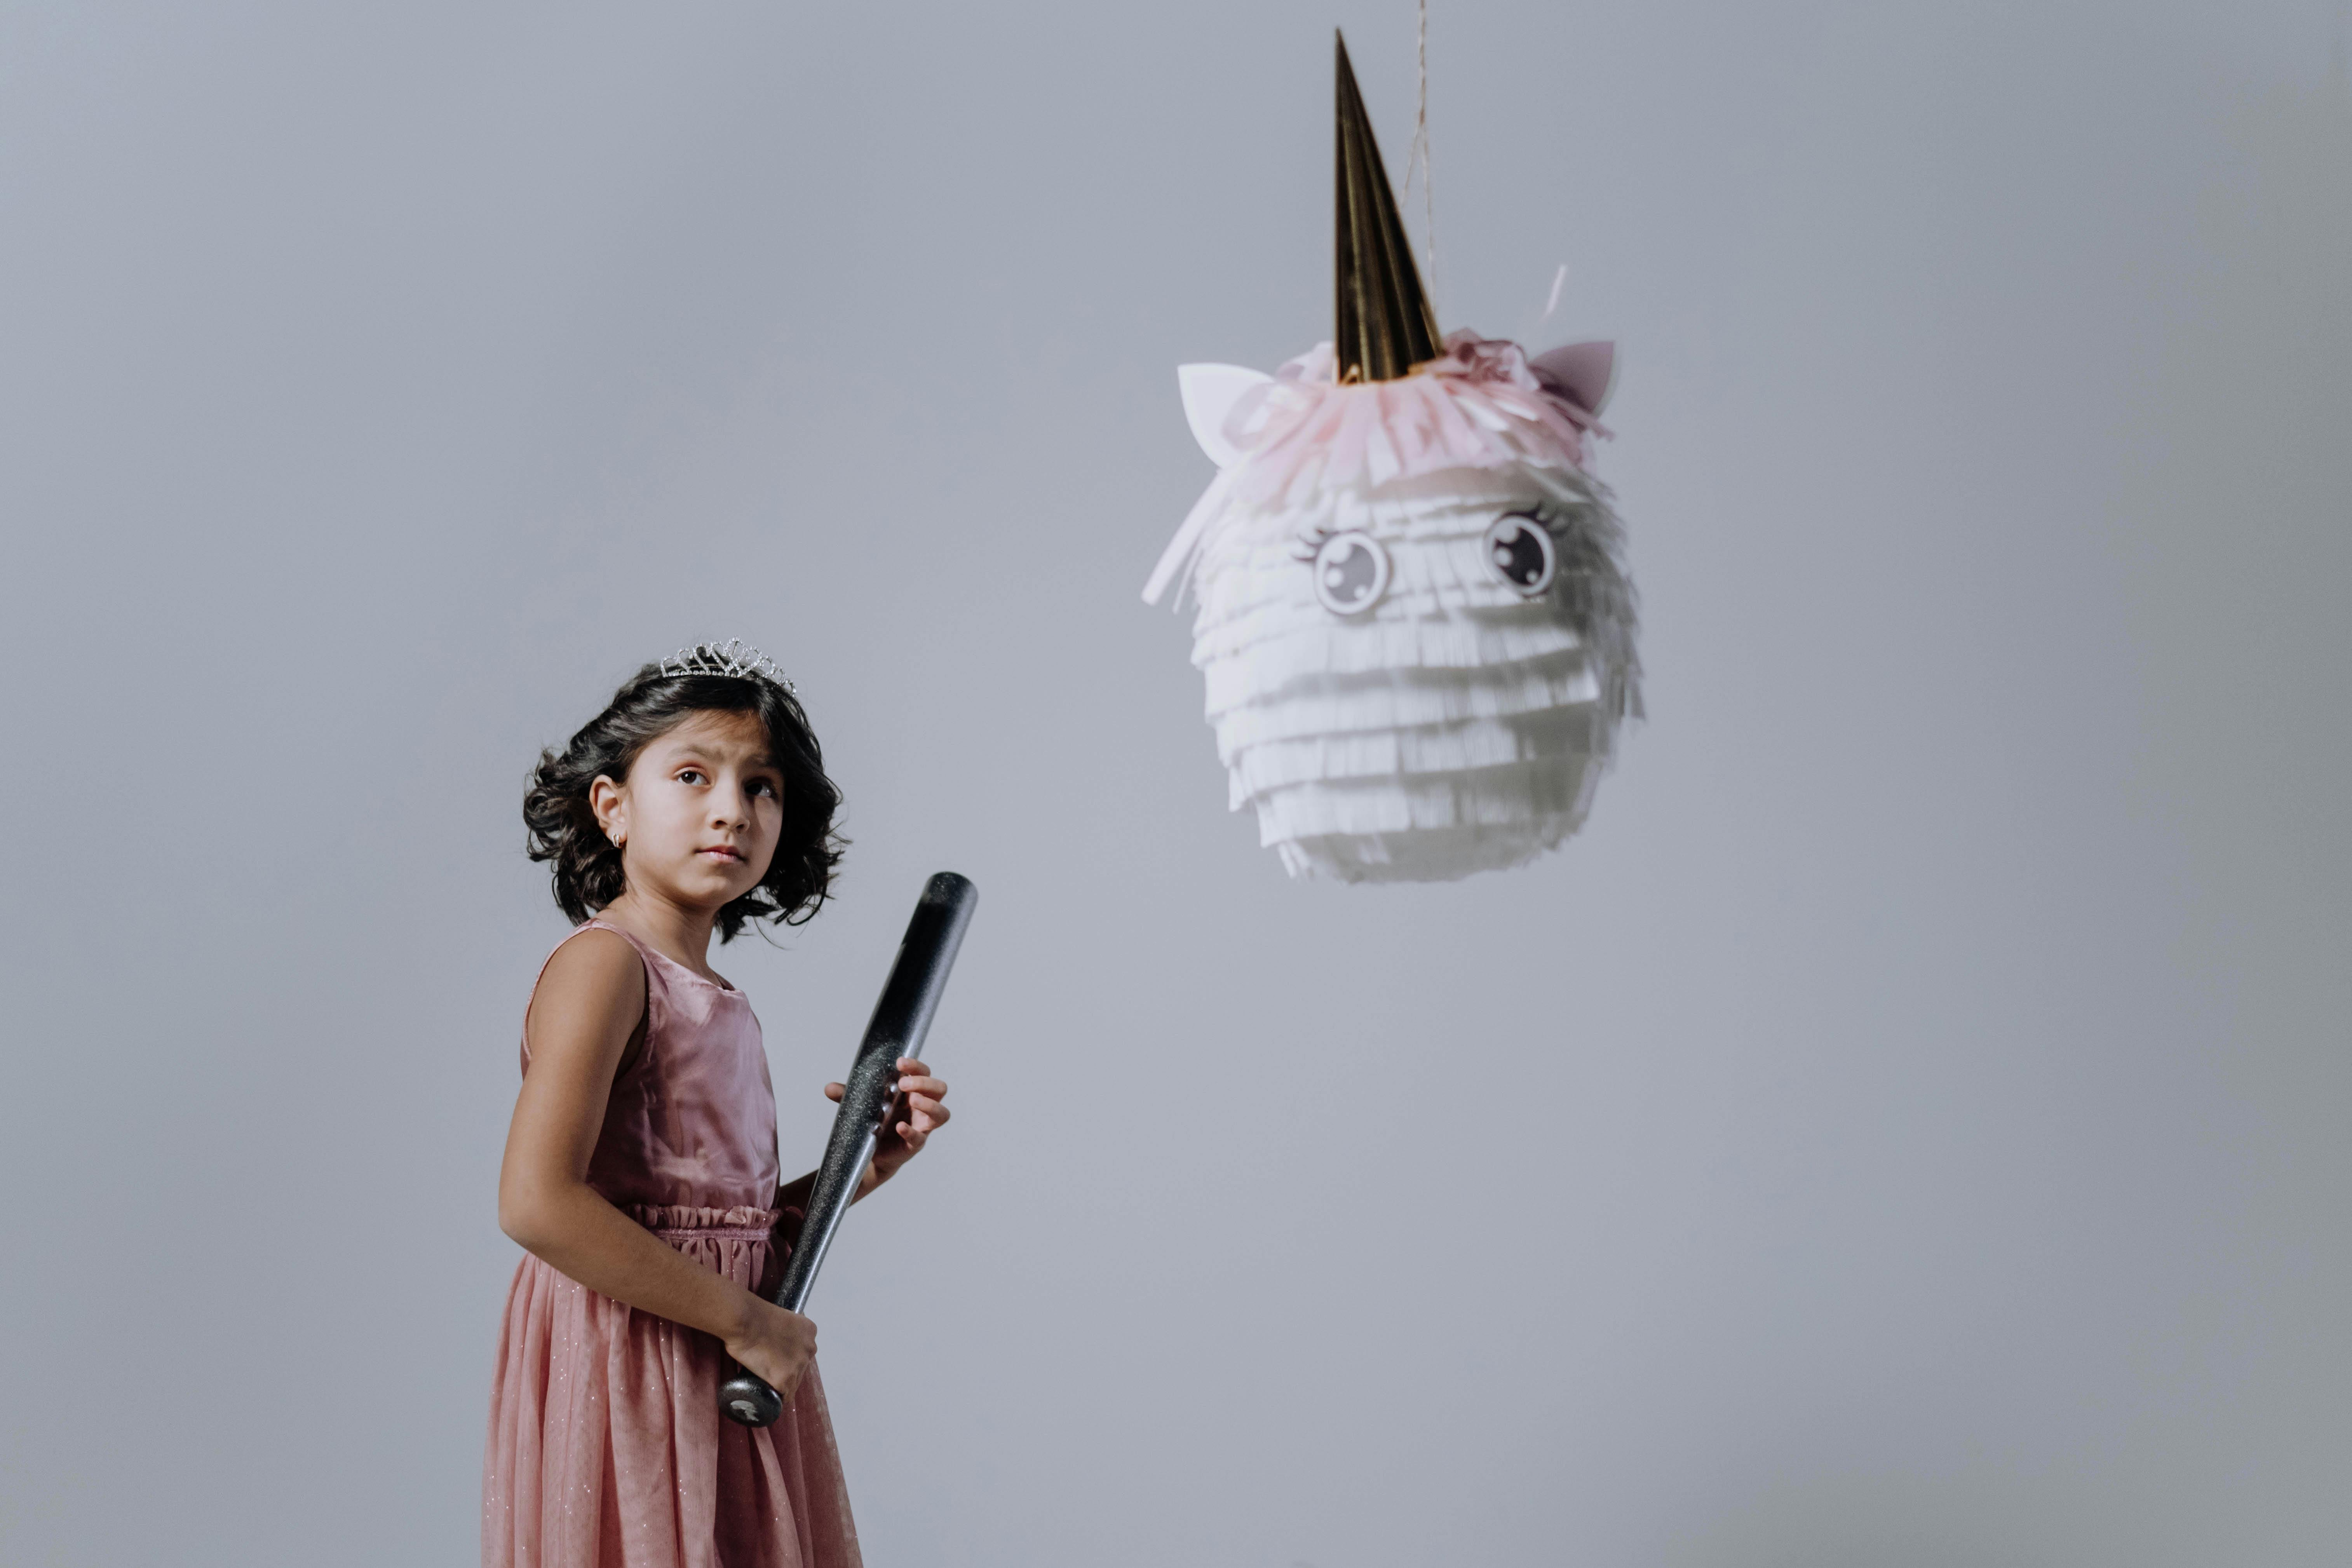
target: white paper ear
<point>1210,392</point>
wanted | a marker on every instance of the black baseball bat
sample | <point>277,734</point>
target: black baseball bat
<point>901,1018</point>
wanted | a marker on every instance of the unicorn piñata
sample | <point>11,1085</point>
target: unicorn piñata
<point>1415,626</point>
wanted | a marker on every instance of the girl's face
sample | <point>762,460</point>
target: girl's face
<point>699,815</point>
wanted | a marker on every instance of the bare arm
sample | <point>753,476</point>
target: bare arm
<point>589,1006</point>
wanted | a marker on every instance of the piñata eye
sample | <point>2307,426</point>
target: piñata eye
<point>1520,552</point>
<point>1351,573</point>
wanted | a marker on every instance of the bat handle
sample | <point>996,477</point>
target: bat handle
<point>744,1396</point>
<point>747,1400</point>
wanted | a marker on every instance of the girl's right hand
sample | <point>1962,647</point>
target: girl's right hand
<point>777,1344</point>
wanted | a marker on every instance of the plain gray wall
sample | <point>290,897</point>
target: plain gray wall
<point>1908,1127</point>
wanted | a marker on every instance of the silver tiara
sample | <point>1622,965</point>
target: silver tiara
<point>730,659</point>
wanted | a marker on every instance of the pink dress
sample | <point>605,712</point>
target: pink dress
<point>606,1448</point>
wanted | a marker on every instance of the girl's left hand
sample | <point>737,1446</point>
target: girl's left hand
<point>923,1114</point>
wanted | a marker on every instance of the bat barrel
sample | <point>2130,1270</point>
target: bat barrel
<point>902,1018</point>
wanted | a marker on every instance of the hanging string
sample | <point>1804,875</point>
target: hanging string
<point>1418,161</point>
<point>1559,280</point>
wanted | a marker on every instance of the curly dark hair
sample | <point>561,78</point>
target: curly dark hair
<point>586,867</point>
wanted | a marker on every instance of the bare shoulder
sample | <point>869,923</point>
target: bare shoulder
<point>594,985</point>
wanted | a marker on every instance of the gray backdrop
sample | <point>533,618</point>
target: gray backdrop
<point>1908,1127</point>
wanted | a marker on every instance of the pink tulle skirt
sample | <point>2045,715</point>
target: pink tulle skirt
<point>606,1448</point>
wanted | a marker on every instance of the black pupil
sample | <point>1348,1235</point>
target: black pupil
<point>1347,574</point>
<point>1519,556</point>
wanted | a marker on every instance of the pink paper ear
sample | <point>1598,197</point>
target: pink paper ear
<point>1584,374</point>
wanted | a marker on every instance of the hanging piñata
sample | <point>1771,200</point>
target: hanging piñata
<point>1416,625</point>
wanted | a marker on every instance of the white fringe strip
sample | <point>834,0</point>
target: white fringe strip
<point>1390,699</point>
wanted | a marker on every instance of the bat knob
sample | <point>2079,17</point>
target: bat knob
<point>748,1401</point>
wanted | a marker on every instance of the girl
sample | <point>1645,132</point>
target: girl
<point>640,1169</point>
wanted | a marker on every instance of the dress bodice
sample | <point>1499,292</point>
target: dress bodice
<point>692,1121</point>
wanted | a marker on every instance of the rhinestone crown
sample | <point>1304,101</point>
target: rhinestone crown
<point>731,658</point>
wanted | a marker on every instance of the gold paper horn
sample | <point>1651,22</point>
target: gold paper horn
<point>1383,324</point>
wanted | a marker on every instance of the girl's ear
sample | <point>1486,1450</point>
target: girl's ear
<point>611,808</point>
<point>1210,392</point>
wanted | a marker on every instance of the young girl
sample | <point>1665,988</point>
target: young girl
<point>641,1169</point>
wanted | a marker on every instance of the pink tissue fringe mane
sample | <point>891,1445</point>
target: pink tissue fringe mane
<point>1476,405</point>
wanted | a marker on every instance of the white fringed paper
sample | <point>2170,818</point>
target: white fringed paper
<point>1457,724</point>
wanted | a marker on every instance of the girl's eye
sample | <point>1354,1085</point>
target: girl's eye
<point>1520,552</point>
<point>765,787</point>
<point>691,776</point>
<point>1351,573</point>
